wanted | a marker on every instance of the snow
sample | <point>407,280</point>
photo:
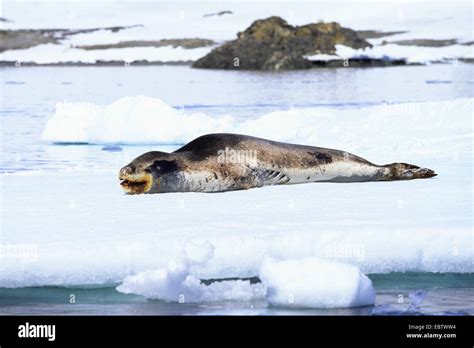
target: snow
<point>53,53</point>
<point>411,54</point>
<point>77,227</point>
<point>396,129</point>
<point>165,20</point>
<point>149,120</point>
<point>175,284</point>
<point>301,283</point>
<point>315,283</point>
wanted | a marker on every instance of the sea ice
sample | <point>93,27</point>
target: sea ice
<point>309,283</point>
<point>384,133</point>
<point>315,283</point>
<point>175,284</point>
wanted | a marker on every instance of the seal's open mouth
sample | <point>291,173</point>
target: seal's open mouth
<point>135,184</point>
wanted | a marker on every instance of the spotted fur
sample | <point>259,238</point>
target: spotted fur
<point>196,167</point>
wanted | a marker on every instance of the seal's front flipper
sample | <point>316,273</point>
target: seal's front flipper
<point>270,177</point>
<point>405,171</point>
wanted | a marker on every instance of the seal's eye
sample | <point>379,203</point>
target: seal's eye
<point>164,166</point>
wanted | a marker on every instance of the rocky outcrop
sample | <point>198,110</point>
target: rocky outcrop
<point>423,42</point>
<point>26,38</point>
<point>273,44</point>
<point>184,43</point>
<point>20,39</point>
<point>376,34</point>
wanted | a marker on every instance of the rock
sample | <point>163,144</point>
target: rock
<point>375,34</point>
<point>185,43</point>
<point>273,44</point>
<point>221,13</point>
<point>21,39</point>
<point>423,42</point>
<point>359,63</point>
<point>26,38</point>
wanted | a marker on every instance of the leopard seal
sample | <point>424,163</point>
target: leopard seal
<point>227,162</point>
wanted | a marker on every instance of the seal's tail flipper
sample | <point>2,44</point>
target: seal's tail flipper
<point>420,173</point>
<point>405,171</point>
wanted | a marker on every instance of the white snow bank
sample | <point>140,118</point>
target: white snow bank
<point>384,132</point>
<point>411,54</point>
<point>128,120</point>
<point>315,283</point>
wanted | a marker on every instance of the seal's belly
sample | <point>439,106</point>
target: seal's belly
<point>208,181</point>
<point>245,177</point>
<point>337,172</point>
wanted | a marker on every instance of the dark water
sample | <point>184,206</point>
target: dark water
<point>397,294</point>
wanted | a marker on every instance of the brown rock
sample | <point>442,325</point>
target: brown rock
<point>273,44</point>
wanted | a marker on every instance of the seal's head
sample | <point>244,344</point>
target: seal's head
<point>151,172</point>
